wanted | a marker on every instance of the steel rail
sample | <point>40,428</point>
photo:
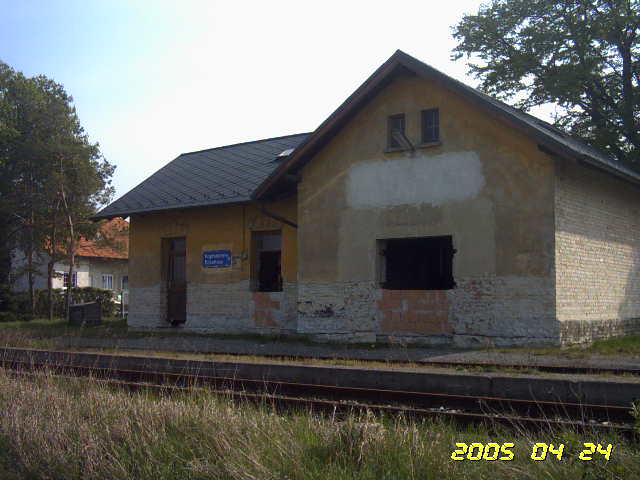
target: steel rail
<point>343,408</point>
<point>561,369</point>
<point>443,403</point>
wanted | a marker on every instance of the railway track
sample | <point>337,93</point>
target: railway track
<point>339,399</point>
<point>561,369</point>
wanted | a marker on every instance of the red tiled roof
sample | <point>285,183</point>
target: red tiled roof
<point>117,232</point>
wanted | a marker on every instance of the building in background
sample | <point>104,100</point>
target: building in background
<point>421,211</point>
<point>100,263</point>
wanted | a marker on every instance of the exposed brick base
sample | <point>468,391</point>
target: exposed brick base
<point>415,311</point>
<point>575,331</point>
<point>219,308</point>
<point>479,312</point>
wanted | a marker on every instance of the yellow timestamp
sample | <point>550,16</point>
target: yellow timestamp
<point>539,451</point>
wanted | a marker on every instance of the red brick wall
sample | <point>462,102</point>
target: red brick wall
<point>415,311</point>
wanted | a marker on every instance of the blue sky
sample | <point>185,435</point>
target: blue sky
<point>153,79</point>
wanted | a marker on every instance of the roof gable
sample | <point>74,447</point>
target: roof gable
<point>546,135</point>
<point>215,176</point>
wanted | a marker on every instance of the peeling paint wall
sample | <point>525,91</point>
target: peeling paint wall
<point>547,252</point>
<point>218,299</point>
<point>420,179</point>
<point>486,185</point>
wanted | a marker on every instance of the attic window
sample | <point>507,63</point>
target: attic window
<point>395,123</point>
<point>430,126</point>
<point>417,263</point>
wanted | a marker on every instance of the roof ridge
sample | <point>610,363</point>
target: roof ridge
<point>546,134</point>
<point>245,143</point>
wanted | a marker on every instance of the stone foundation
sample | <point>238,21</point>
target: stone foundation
<point>147,307</point>
<point>585,331</point>
<point>219,308</point>
<point>480,312</point>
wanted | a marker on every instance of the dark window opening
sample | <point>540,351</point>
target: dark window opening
<point>430,125</point>
<point>267,269</point>
<point>395,123</point>
<point>417,263</point>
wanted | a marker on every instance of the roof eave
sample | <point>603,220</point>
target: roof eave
<point>128,213</point>
<point>325,127</point>
<point>400,58</point>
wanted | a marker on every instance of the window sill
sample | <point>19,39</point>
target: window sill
<point>429,144</point>
<point>417,289</point>
<point>395,149</point>
<point>421,145</point>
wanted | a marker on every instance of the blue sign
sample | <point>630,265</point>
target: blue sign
<point>216,259</point>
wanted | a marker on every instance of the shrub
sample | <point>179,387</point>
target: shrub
<point>6,297</point>
<point>18,303</point>
<point>92,294</point>
<point>42,302</point>
<point>14,305</point>
<point>8,317</point>
<point>21,306</point>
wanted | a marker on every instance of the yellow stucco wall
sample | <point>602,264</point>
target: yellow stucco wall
<point>485,184</point>
<point>502,226</point>
<point>209,228</point>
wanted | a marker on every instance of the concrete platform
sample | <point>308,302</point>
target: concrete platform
<point>620,391</point>
<point>270,347</point>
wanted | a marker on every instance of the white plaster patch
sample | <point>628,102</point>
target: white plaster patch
<point>420,179</point>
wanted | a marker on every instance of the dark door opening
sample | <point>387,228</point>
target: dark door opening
<point>176,280</point>
<point>267,267</point>
<point>269,278</point>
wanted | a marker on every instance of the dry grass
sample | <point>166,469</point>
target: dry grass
<point>80,429</point>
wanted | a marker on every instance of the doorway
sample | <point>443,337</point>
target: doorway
<point>176,249</point>
<point>267,259</point>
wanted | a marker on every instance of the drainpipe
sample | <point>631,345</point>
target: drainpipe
<point>266,212</point>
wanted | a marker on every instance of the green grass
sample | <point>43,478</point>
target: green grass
<point>41,333</point>
<point>42,329</point>
<point>628,346</point>
<point>79,429</point>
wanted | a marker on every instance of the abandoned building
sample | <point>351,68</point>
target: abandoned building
<point>420,211</point>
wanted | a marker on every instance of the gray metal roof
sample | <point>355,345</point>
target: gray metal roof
<point>553,139</point>
<point>214,176</point>
<point>543,131</point>
<point>574,146</point>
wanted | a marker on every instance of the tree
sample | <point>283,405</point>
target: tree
<point>581,55</point>
<point>24,169</point>
<point>52,178</point>
<point>8,133</point>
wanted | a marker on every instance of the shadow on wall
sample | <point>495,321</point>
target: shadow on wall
<point>629,310</point>
<point>598,240</point>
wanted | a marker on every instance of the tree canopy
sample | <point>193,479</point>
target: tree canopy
<point>52,178</point>
<point>583,56</point>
